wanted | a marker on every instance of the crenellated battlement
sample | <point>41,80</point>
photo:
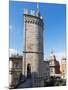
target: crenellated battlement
<point>33,13</point>
<point>33,19</point>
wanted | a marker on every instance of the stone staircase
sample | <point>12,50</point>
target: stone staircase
<point>25,82</point>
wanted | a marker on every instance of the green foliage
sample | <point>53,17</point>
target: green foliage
<point>55,82</point>
<point>60,82</point>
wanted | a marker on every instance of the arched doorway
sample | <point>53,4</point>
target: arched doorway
<point>28,70</point>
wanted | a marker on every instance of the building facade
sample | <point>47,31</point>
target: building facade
<point>15,69</point>
<point>46,70</point>
<point>63,68</point>
<point>54,66</point>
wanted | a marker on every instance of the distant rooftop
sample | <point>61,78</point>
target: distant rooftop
<point>16,56</point>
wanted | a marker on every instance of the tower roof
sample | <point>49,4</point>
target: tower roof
<point>52,56</point>
<point>32,12</point>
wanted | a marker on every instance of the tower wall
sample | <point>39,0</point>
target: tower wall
<point>33,52</point>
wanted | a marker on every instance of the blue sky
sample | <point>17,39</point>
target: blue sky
<point>54,16</point>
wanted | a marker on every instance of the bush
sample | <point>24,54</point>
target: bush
<point>55,82</point>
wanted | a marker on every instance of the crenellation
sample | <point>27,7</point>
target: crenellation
<point>33,20</point>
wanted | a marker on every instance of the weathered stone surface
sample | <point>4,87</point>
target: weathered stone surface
<point>33,45</point>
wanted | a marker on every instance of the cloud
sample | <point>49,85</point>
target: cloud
<point>58,55</point>
<point>61,54</point>
<point>10,27</point>
<point>12,52</point>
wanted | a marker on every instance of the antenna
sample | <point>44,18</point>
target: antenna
<point>38,12</point>
<point>25,11</point>
<point>37,6</point>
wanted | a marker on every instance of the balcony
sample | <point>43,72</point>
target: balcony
<point>15,69</point>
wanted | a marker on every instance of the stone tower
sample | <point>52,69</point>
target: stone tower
<point>33,45</point>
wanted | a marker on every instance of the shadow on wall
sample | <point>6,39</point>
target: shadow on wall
<point>26,81</point>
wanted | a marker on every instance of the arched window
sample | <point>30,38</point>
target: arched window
<point>28,70</point>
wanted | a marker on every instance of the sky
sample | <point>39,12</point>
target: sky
<point>54,17</point>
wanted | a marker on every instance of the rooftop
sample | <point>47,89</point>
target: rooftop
<point>16,56</point>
